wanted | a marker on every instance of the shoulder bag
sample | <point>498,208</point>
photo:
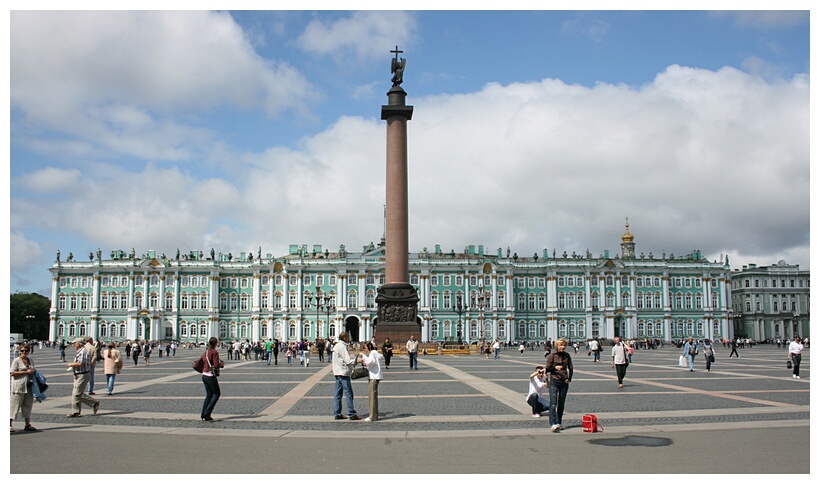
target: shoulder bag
<point>214,369</point>
<point>359,372</point>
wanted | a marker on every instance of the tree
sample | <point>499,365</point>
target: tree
<point>28,314</point>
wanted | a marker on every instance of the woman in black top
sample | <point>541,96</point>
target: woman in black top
<point>387,352</point>
<point>559,368</point>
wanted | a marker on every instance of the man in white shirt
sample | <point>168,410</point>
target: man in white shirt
<point>619,360</point>
<point>412,347</point>
<point>595,349</point>
<point>496,349</point>
<point>535,396</point>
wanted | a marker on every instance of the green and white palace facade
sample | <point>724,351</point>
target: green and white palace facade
<point>311,293</point>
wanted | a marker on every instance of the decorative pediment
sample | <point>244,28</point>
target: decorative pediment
<point>611,264</point>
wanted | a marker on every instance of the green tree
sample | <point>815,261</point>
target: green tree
<point>28,314</point>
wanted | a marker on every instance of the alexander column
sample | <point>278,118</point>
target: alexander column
<point>397,299</point>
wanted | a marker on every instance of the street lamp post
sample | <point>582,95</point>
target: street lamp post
<point>460,311</point>
<point>483,303</point>
<point>330,305</point>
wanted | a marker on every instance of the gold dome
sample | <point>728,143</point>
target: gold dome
<point>627,237</point>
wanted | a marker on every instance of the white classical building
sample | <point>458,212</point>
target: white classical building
<point>472,295</point>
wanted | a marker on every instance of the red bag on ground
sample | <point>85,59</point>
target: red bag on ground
<point>590,423</point>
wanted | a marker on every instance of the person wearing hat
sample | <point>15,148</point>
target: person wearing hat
<point>82,368</point>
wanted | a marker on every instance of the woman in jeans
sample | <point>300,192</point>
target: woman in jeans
<point>112,365</point>
<point>708,352</point>
<point>209,379</point>
<point>559,368</point>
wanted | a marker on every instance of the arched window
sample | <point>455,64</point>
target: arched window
<point>698,301</point>
<point>522,330</point>
<point>292,334</point>
<point>594,300</point>
<point>371,300</point>
<point>562,301</point>
<point>542,330</point>
<point>352,300</point>
<point>434,330</point>
<point>473,329</point>
<point>223,330</point>
<point>624,299</point>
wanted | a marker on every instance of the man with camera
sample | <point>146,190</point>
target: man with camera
<point>535,397</point>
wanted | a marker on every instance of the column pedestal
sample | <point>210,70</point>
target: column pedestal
<point>398,313</point>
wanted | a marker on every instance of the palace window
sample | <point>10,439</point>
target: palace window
<point>352,301</point>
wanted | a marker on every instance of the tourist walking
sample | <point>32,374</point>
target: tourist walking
<point>387,351</point>
<point>619,360</point>
<point>733,344</point>
<point>112,366</point>
<point>22,398</point>
<point>146,351</point>
<point>371,360</point>
<point>306,351</point>
<point>595,350</point>
<point>559,368</point>
<point>708,353</point>
<point>62,351</point>
<point>210,380</point>
<point>412,347</point>
<point>342,364</point>
<point>795,349</point>
<point>535,394</point>
<point>135,351</point>
<point>81,367</point>
<point>690,350</point>
<point>93,356</point>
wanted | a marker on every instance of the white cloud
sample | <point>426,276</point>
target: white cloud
<point>717,161</point>
<point>50,179</point>
<point>362,35</point>
<point>766,18</point>
<point>115,79</point>
<point>23,251</point>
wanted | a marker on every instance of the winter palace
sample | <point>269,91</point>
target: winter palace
<point>310,293</point>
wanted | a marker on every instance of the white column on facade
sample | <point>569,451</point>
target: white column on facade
<point>618,303</point>
<point>256,329</point>
<point>300,286</point>
<point>213,293</point>
<point>145,281</point>
<point>509,295</point>
<point>161,296</point>
<point>552,293</point>
<point>588,292</point>
<point>55,284</point>
<point>725,293</point>
<point>706,286</point>
<point>601,294</point>
<point>494,279</point>
<point>360,292</point>
<point>95,291</point>
<point>285,294</point>
<point>632,290</point>
<point>130,291</point>
<point>666,296</point>
<point>257,291</point>
<point>341,289</point>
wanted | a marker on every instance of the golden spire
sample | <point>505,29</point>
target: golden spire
<point>627,237</point>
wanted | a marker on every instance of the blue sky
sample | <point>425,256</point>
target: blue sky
<point>532,129</point>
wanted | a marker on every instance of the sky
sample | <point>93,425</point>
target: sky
<point>158,130</point>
